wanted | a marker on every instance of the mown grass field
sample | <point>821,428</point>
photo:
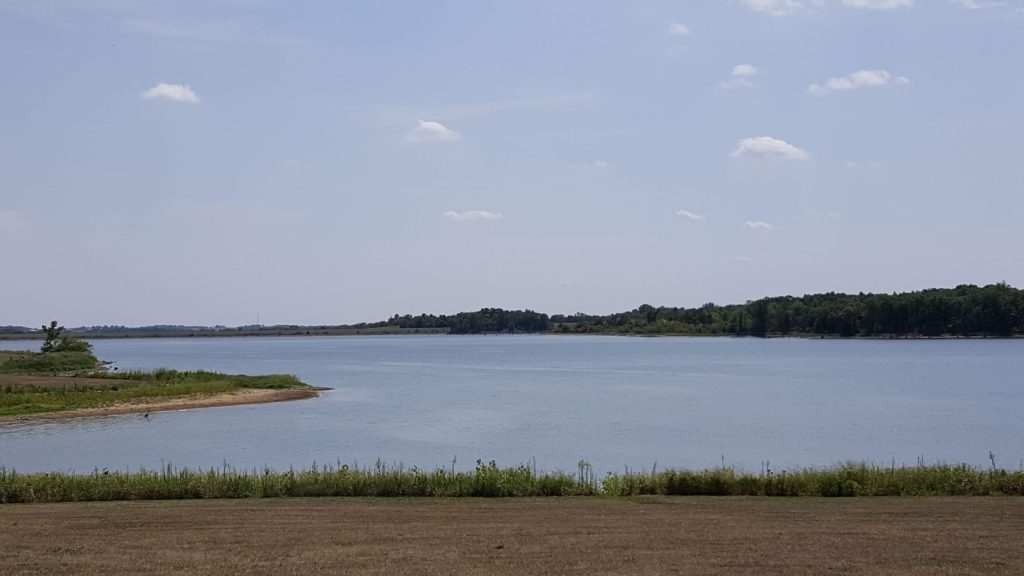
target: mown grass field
<point>641,536</point>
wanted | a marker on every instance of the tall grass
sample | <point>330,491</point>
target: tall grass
<point>488,480</point>
<point>48,363</point>
<point>852,479</point>
<point>166,376</point>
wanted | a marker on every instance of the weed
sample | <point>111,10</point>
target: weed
<point>491,481</point>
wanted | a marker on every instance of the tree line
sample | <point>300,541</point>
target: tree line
<point>482,321</point>
<point>967,310</point>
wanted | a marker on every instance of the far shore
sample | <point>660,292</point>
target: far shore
<point>439,332</point>
<point>234,333</point>
<point>237,398</point>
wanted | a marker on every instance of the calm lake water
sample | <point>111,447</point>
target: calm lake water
<point>615,402</point>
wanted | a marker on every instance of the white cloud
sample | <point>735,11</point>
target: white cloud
<point>857,80</point>
<point>470,215</point>
<point>741,77</point>
<point>687,215</point>
<point>780,7</point>
<point>758,225</point>
<point>677,29</point>
<point>770,149</point>
<point>978,4</point>
<point>430,131</point>
<point>878,4</point>
<point>870,164</point>
<point>595,164</point>
<point>744,71</point>
<point>172,92</point>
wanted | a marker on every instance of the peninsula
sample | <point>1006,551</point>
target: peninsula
<point>67,380</point>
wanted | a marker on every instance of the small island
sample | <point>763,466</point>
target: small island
<point>66,380</point>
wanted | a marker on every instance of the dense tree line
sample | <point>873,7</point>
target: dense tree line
<point>967,310</point>
<point>482,321</point>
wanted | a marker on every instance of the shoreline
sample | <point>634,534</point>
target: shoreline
<point>235,398</point>
<point>345,333</point>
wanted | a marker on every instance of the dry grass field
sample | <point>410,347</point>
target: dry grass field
<point>529,536</point>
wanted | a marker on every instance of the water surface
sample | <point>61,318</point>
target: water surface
<point>613,401</point>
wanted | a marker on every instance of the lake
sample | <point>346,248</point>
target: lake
<point>555,400</point>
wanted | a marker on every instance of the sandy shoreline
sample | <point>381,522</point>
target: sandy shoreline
<point>240,397</point>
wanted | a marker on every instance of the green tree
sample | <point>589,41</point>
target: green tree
<point>758,311</point>
<point>53,334</point>
<point>57,341</point>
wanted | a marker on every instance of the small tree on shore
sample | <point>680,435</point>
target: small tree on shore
<point>57,341</point>
<point>53,333</point>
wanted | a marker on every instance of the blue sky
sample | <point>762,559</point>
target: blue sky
<point>334,162</point>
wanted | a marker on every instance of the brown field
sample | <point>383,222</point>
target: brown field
<point>554,536</point>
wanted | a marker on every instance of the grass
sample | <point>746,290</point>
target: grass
<point>852,479</point>
<point>169,377</point>
<point>380,481</point>
<point>490,481</point>
<point>48,363</point>
<point>100,389</point>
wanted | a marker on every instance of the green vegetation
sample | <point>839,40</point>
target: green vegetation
<point>66,376</point>
<point>49,363</point>
<point>102,389</point>
<point>55,340</point>
<point>164,376</point>
<point>485,320</point>
<point>965,311</point>
<point>488,480</point>
<point>61,354</point>
<point>845,480</point>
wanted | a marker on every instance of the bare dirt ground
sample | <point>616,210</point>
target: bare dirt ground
<point>553,536</point>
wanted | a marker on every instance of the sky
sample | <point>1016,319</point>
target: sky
<point>323,162</point>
